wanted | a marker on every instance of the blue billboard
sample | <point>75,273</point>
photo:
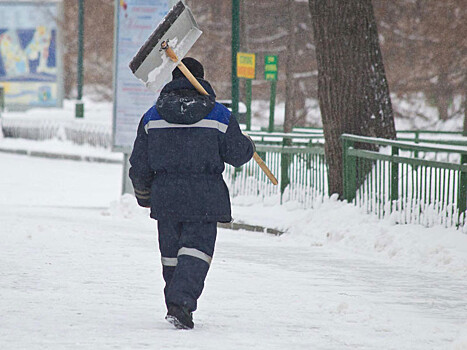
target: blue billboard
<point>29,53</point>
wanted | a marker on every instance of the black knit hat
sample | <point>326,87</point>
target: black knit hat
<point>193,66</point>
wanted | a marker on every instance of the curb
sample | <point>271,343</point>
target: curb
<point>75,157</point>
<point>246,227</point>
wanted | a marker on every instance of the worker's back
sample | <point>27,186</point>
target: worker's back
<point>182,144</point>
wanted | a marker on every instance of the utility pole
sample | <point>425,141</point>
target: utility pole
<point>235,49</point>
<point>79,110</point>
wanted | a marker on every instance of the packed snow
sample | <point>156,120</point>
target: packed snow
<point>80,269</point>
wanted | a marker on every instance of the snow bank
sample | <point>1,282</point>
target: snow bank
<point>461,342</point>
<point>126,207</point>
<point>58,147</point>
<point>337,224</point>
<point>94,112</point>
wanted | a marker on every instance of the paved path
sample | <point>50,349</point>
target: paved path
<point>74,277</point>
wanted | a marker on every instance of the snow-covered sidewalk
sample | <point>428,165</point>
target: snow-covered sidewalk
<point>58,149</point>
<point>78,274</point>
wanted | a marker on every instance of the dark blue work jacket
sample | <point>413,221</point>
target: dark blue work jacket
<point>179,153</point>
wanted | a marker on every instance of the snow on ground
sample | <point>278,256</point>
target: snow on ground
<point>80,269</point>
<point>58,148</point>
<point>336,224</point>
<point>416,110</point>
<point>94,112</point>
<point>420,114</point>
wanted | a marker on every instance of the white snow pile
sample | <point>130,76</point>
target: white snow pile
<point>96,112</point>
<point>461,342</point>
<point>126,207</point>
<point>337,224</point>
<point>58,147</point>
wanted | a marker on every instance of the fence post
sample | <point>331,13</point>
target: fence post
<point>417,140</point>
<point>462,191</point>
<point>349,172</point>
<point>285,163</point>
<point>394,177</point>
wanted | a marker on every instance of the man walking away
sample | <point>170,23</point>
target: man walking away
<point>176,169</point>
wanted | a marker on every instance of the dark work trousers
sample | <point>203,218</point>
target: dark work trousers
<point>186,249</point>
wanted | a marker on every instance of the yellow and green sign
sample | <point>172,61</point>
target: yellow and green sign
<point>270,67</point>
<point>246,65</point>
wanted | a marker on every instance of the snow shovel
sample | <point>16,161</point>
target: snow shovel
<point>155,61</point>
<point>151,65</point>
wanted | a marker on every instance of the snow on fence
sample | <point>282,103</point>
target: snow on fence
<point>412,183</point>
<point>301,172</point>
<point>408,181</point>
<point>96,135</point>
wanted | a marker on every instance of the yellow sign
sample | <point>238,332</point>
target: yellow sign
<point>246,65</point>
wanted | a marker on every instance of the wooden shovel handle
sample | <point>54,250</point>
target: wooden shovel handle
<point>265,168</point>
<point>192,79</point>
<point>186,72</point>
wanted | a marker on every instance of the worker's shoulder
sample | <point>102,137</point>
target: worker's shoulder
<point>151,114</point>
<point>220,113</point>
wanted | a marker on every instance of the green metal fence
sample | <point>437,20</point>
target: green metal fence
<point>410,182</point>
<point>406,181</point>
<point>416,133</point>
<point>301,172</point>
<point>292,139</point>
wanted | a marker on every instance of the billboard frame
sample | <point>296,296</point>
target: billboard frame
<point>119,148</point>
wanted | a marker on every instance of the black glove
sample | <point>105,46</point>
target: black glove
<point>143,197</point>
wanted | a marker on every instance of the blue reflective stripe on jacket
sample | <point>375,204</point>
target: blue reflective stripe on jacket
<point>218,119</point>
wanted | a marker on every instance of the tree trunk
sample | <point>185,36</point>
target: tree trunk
<point>352,87</point>
<point>443,96</point>
<point>289,118</point>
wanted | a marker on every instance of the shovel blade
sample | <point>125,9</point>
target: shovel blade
<point>151,65</point>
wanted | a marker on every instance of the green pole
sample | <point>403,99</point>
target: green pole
<point>248,104</point>
<point>462,192</point>
<point>235,49</point>
<point>79,111</point>
<point>272,106</point>
<point>394,178</point>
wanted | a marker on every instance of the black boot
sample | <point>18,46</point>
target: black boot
<point>180,317</point>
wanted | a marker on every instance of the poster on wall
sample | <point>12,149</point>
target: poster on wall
<point>29,54</point>
<point>135,21</point>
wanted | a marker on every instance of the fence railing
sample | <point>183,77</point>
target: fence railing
<point>97,135</point>
<point>292,139</point>
<point>301,172</point>
<point>416,133</point>
<point>404,180</point>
